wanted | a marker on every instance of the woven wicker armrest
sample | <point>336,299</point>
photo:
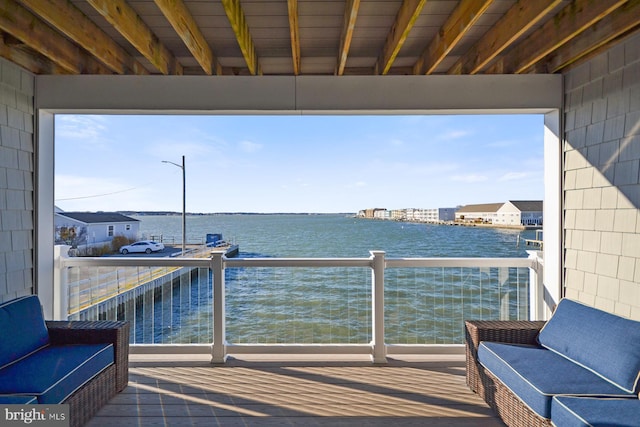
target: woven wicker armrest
<point>96,332</point>
<point>507,331</point>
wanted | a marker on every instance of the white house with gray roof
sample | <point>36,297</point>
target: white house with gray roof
<point>511,213</point>
<point>520,212</point>
<point>485,213</point>
<point>90,228</point>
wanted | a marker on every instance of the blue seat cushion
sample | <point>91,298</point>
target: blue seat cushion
<point>567,411</point>
<point>536,374</point>
<point>22,328</point>
<point>602,342</point>
<point>55,372</point>
<point>17,399</point>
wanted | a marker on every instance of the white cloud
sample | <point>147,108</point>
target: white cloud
<point>513,176</point>
<point>453,134</point>
<point>88,129</point>
<point>250,147</point>
<point>357,184</point>
<point>470,178</point>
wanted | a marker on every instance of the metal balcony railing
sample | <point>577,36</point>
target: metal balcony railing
<point>374,305</point>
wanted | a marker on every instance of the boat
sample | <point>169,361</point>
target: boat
<point>215,240</point>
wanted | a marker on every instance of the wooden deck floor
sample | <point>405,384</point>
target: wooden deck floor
<point>272,391</point>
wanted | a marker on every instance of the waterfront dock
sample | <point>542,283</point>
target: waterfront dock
<point>95,295</point>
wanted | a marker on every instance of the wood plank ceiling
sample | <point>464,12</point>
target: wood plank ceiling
<point>309,37</point>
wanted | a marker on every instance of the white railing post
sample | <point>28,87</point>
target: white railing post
<point>536,286</point>
<point>60,283</point>
<point>218,351</point>
<point>378,348</point>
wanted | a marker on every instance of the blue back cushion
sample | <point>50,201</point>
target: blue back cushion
<point>22,328</point>
<point>606,344</point>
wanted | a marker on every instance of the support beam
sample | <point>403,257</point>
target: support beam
<point>30,30</point>
<point>294,30</point>
<point>70,21</point>
<point>405,20</point>
<point>124,19</point>
<point>185,26</point>
<point>350,15</point>
<point>519,19</point>
<point>575,18</point>
<point>622,20</point>
<point>15,51</point>
<point>243,35</point>
<point>460,21</point>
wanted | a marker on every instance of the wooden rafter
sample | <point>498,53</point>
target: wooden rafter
<point>124,19</point>
<point>19,54</point>
<point>294,30</point>
<point>70,21</point>
<point>30,30</point>
<point>575,18</point>
<point>622,20</point>
<point>460,21</point>
<point>243,35</point>
<point>519,19</point>
<point>350,15</point>
<point>185,26</point>
<point>405,19</point>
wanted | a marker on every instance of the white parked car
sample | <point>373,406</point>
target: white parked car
<point>146,246</point>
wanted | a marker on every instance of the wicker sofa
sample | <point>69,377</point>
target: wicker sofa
<point>82,364</point>
<point>581,368</point>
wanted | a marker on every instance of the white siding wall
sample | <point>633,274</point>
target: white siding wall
<point>16,182</point>
<point>508,214</point>
<point>602,180</point>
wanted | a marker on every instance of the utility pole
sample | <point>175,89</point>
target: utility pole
<point>184,202</point>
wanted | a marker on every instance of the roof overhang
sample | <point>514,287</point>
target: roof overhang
<point>531,93</point>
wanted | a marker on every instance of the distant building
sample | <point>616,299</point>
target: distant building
<point>483,213</point>
<point>382,214</point>
<point>370,213</point>
<point>89,228</point>
<point>520,212</point>
<point>399,214</point>
<point>434,214</point>
<point>514,212</point>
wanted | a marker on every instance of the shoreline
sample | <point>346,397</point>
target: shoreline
<point>466,224</point>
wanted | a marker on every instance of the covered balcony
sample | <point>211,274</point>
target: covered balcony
<point>575,62</point>
<point>375,340</point>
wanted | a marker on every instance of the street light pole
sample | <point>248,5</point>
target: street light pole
<point>184,202</point>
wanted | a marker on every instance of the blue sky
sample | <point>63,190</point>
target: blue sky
<point>294,163</point>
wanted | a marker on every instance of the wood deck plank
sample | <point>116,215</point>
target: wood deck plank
<point>265,391</point>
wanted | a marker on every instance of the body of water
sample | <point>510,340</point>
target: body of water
<point>338,236</point>
<point>333,305</point>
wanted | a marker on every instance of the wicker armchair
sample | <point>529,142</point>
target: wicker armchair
<point>506,404</point>
<point>85,402</point>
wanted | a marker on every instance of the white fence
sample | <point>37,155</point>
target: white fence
<point>374,305</point>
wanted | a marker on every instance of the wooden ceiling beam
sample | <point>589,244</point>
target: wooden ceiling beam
<point>34,33</point>
<point>70,21</point>
<point>294,31</point>
<point>405,19</point>
<point>348,25</point>
<point>575,18</point>
<point>519,19</point>
<point>241,29</point>
<point>185,26</point>
<point>124,19</point>
<point>461,20</point>
<point>29,60</point>
<point>618,23</point>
